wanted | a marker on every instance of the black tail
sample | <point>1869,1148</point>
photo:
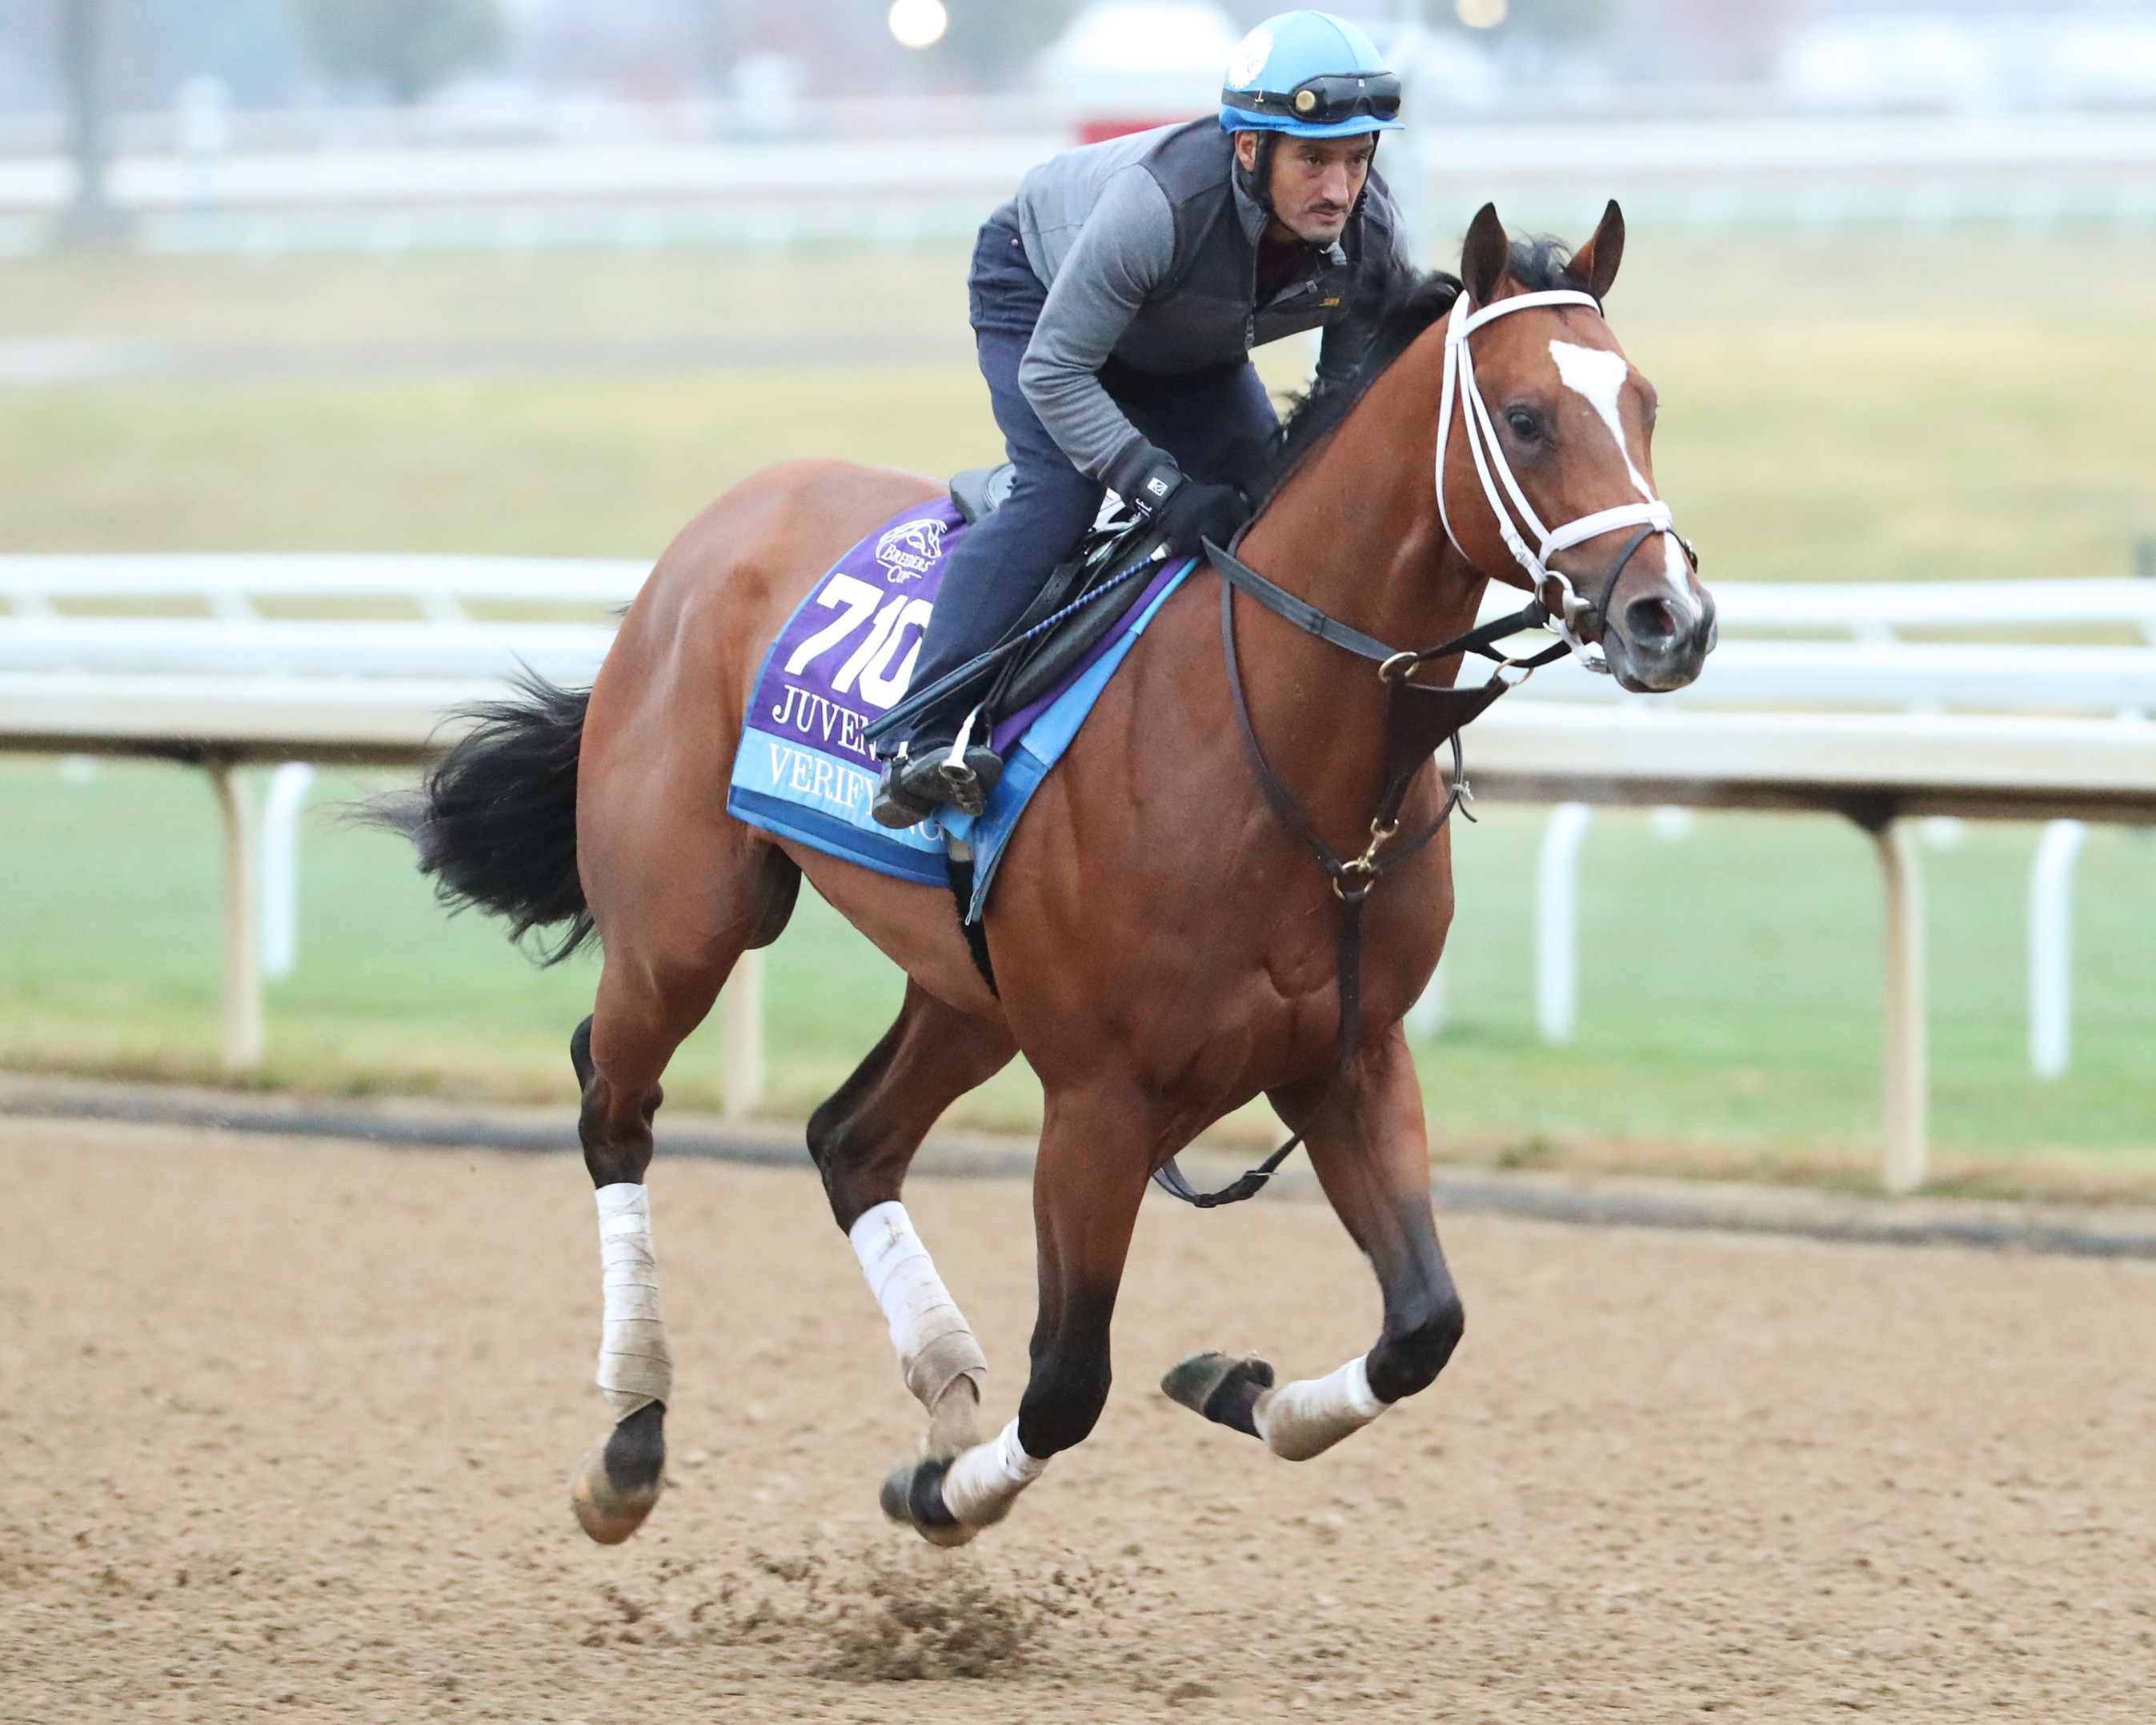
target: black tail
<point>495,821</point>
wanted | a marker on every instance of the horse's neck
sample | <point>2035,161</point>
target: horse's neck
<point>1355,532</point>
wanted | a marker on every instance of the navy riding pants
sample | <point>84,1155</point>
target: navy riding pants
<point>1214,421</point>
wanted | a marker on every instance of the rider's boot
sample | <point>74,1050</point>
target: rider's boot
<point>927,775</point>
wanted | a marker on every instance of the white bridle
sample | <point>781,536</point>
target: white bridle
<point>1506,498</point>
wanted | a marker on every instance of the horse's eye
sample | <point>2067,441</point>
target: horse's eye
<point>1525,426</point>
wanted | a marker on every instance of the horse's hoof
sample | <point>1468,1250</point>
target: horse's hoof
<point>1223,1387</point>
<point>913,1494</point>
<point>609,1514</point>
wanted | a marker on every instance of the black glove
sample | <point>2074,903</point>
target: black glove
<point>1195,511</point>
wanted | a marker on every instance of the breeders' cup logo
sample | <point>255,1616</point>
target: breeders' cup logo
<point>910,549</point>
<point>1249,58</point>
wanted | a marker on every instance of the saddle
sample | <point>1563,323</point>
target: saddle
<point>1083,600</point>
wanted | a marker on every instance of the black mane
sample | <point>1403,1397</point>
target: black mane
<point>1540,263</point>
<point>1398,310</point>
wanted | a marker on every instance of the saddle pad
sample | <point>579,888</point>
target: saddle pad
<point>844,658</point>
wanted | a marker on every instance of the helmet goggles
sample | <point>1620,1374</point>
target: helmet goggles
<point>1329,98</point>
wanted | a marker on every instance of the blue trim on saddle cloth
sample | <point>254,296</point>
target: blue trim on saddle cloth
<point>899,853</point>
<point>844,658</point>
<point>1042,744</point>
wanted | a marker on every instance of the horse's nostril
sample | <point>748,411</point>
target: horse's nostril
<point>1652,624</point>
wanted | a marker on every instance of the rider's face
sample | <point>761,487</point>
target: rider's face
<point>1316,181</point>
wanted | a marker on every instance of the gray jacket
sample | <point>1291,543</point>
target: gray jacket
<point>1148,248</point>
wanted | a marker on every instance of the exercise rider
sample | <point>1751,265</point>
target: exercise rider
<point>1114,301</point>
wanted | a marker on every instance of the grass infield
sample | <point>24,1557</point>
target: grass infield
<point>1729,1005</point>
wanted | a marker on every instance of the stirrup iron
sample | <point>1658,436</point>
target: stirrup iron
<point>969,772</point>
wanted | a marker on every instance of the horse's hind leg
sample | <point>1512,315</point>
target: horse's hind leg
<point>1367,1145</point>
<point>668,951</point>
<point>863,1140</point>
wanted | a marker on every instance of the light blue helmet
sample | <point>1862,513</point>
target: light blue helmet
<point>1311,75</point>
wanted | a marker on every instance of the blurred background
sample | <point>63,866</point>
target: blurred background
<point>282,125</point>
<point>542,277</point>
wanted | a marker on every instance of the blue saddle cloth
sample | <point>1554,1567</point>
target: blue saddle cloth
<point>844,658</point>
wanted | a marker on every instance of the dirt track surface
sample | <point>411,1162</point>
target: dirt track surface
<point>283,1430</point>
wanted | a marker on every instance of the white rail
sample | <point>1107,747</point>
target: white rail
<point>2050,947</point>
<point>242,1047</point>
<point>1865,609</point>
<point>1906,1059</point>
<point>1889,675</point>
<point>281,809</point>
<point>2012,734</point>
<point>251,647</point>
<point>1557,917</point>
<point>244,681</point>
<point>230,582</point>
<point>1869,666</point>
<point>396,179</point>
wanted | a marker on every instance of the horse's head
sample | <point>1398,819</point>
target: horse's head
<point>1546,467</point>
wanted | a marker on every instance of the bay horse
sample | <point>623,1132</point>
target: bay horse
<point>1162,947</point>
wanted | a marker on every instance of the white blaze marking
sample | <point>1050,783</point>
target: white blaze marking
<point>1599,375</point>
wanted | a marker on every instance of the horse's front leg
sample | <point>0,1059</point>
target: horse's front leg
<point>1367,1143</point>
<point>1087,1184</point>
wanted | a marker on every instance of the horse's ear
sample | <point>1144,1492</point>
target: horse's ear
<point>1488,253</point>
<point>1593,266</point>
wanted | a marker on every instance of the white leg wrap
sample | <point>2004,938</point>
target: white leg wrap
<point>1307,1417</point>
<point>634,1370</point>
<point>936,1345</point>
<point>985,1480</point>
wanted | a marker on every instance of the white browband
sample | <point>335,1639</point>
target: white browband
<point>1506,498</point>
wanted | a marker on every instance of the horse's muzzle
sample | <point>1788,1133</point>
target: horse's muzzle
<point>1654,645</point>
